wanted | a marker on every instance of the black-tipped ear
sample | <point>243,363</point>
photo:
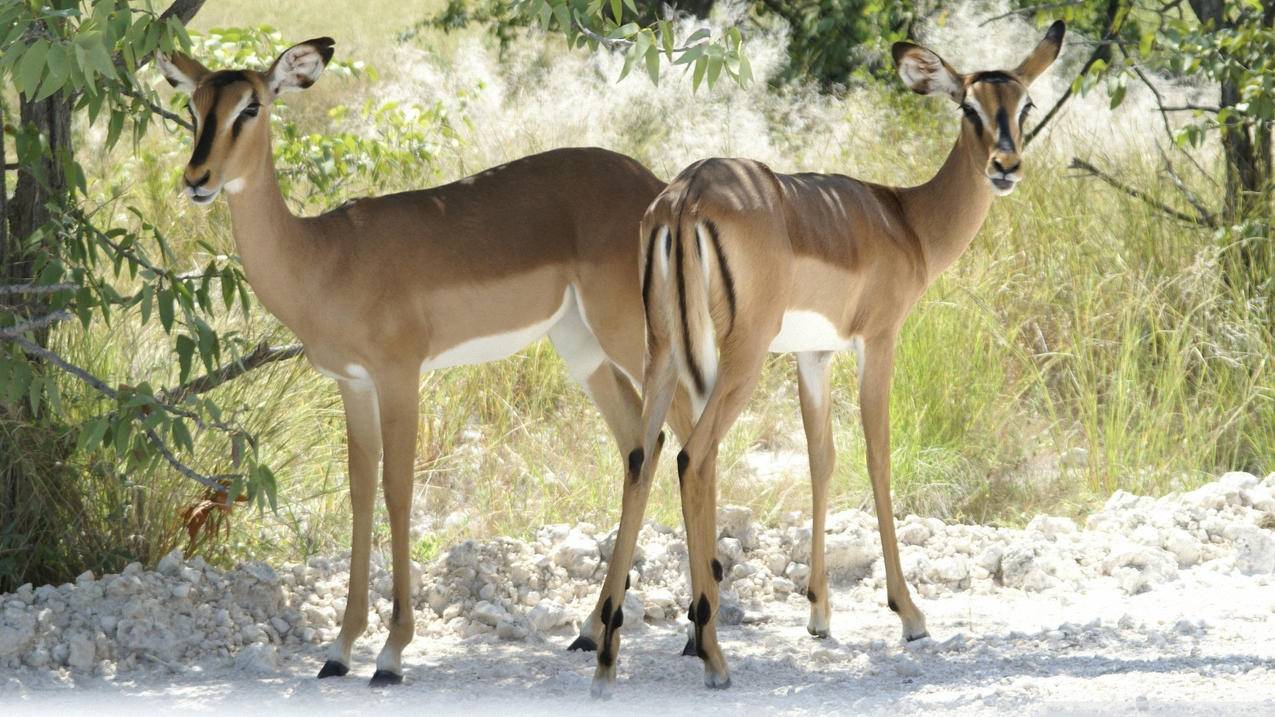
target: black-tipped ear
<point>1044,55</point>
<point>300,65</point>
<point>182,72</point>
<point>925,73</point>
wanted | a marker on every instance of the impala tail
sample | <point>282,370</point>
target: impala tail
<point>688,292</point>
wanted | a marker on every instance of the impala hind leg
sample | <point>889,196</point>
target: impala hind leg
<point>816,415</point>
<point>658,385</point>
<point>740,368</point>
<point>364,447</point>
<point>874,400</point>
<point>400,410</point>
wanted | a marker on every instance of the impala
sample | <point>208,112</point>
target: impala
<point>382,289</point>
<point>739,261</point>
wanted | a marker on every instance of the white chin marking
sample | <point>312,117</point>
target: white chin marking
<point>234,186</point>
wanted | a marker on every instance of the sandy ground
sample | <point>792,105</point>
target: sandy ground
<point>1200,640</point>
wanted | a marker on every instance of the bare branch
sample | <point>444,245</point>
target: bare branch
<point>1191,197</point>
<point>34,289</point>
<point>263,355</point>
<point>125,89</point>
<point>16,330</point>
<point>214,483</point>
<point>1077,163</point>
<point>1168,132</point>
<point>1192,108</point>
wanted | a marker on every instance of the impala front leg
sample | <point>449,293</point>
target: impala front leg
<point>816,415</point>
<point>874,398</point>
<point>399,414</point>
<point>364,448</point>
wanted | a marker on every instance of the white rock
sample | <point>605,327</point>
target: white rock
<point>81,653</point>
<point>847,558</point>
<point>547,615</point>
<point>488,613</point>
<point>1254,550</point>
<point>172,563</point>
<point>258,658</point>
<point>1052,525</point>
<point>914,533</point>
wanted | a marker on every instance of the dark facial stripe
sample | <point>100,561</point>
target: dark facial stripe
<point>697,378</point>
<point>646,273</point>
<point>208,131</point>
<point>728,280</point>
<point>1005,142</point>
<point>994,76</point>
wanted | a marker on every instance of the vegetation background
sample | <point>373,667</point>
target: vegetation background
<point>1089,341</point>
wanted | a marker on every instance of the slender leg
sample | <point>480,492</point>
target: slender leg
<point>874,398</point>
<point>816,416</point>
<point>658,385</point>
<point>364,446</point>
<point>740,367</point>
<point>399,404</point>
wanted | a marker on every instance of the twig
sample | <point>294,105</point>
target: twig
<point>1189,107</point>
<point>1168,133</point>
<point>1191,198</point>
<point>125,89</point>
<point>260,356</point>
<point>7,289</point>
<point>1077,163</point>
<point>612,43</point>
<point>97,384</point>
<point>16,330</point>
<point>1030,9</point>
<point>213,483</point>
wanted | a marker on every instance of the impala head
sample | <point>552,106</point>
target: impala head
<point>995,103</point>
<point>231,112</point>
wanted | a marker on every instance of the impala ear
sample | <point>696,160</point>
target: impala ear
<point>182,72</point>
<point>300,65</point>
<point>925,73</point>
<point>1044,54</point>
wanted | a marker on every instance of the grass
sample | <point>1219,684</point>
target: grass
<point>1084,344</point>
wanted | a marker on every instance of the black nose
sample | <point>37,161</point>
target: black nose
<point>201,181</point>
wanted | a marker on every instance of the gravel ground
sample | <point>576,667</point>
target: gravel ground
<point>1153,604</point>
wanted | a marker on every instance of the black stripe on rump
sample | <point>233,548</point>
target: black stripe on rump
<point>646,273</point>
<point>728,280</point>
<point>696,377</point>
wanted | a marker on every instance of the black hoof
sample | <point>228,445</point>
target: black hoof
<point>689,650</point>
<point>821,634</point>
<point>333,668</point>
<point>583,644</point>
<point>922,636</point>
<point>385,678</point>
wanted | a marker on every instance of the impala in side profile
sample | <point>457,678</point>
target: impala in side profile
<point>739,261</point>
<point>384,288</point>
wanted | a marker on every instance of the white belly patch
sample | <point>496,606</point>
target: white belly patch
<point>495,346</point>
<point>804,330</point>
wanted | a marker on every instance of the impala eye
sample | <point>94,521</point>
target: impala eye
<point>251,110</point>
<point>972,115</point>
<point>1026,109</point>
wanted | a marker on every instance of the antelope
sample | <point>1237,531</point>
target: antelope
<point>382,289</point>
<point>739,261</point>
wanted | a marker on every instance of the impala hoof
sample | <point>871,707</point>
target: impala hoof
<point>333,668</point>
<point>817,632</point>
<point>716,682</point>
<point>913,638</point>
<point>385,678</point>
<point>600,689</point>
<point>583,644</point>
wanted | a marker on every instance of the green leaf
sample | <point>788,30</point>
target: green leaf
<point>181,435</point>
<point>56,61</point>
<point>714,69</point>
<point>165,300</point>
<point>701,63</point>
<point>185,351</point>
<point>1117,95</point>
<point>30,68</point>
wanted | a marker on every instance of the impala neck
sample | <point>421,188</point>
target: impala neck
<point>269,237</point>
<point>947,211</point>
